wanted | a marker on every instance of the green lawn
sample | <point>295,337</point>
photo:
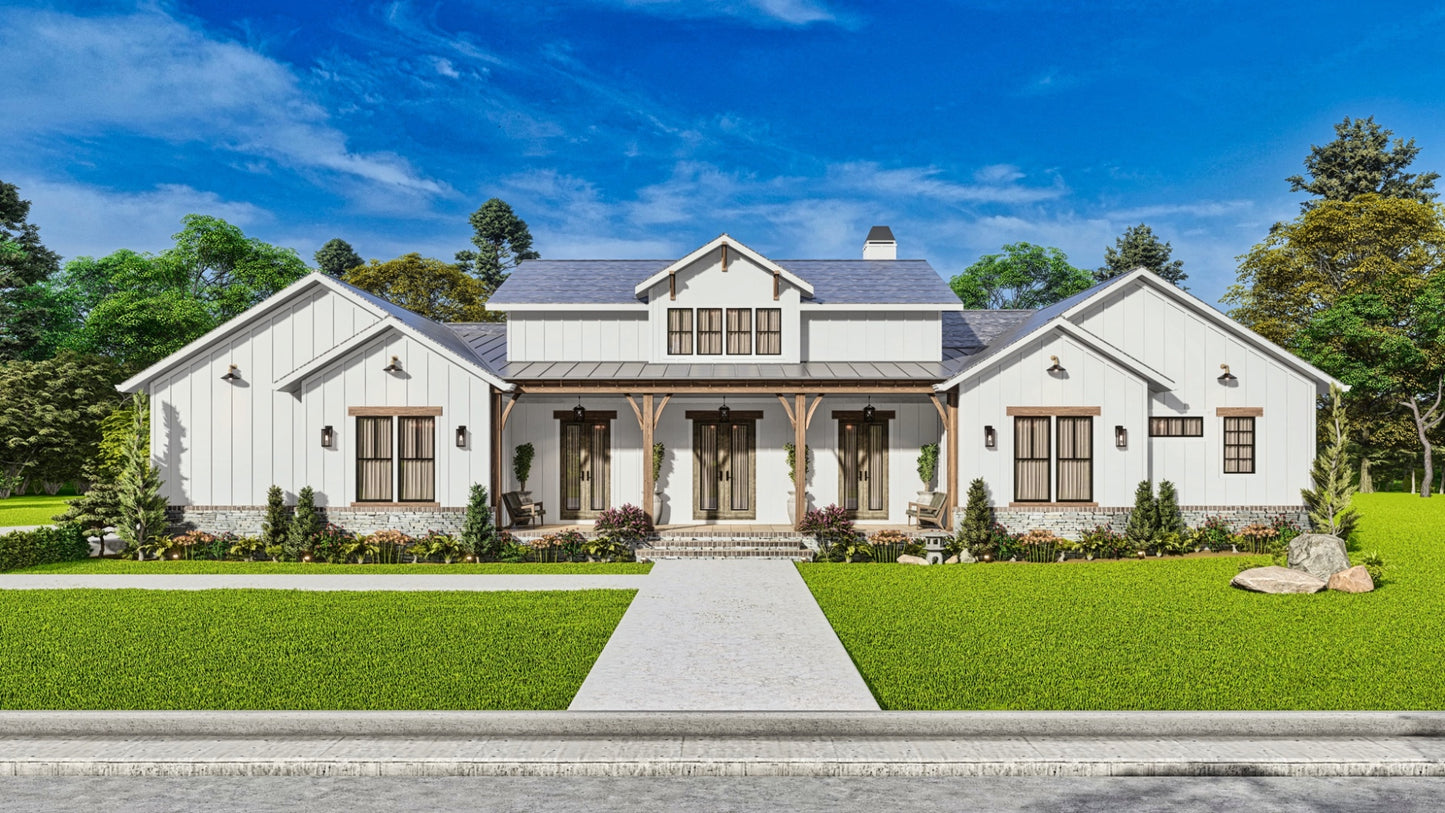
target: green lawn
<point>32,510</point>
<point>124,566</point>
<point>273,649</point>
<point>1155,634</point>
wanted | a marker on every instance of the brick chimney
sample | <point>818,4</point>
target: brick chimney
<point>880,244</point>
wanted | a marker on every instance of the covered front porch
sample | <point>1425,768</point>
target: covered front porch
<point>724,454</point>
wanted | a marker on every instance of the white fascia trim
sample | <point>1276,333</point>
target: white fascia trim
<point>1322,379</point>
<point>718,242</point>
<point>1114,354</point>
<point>240,322</point>
<point>531,307</point>
<point>935,307</point>
<point>293,380</point>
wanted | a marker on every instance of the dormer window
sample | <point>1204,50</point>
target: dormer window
<point>679,331</point>
<point>770,332</point>
<point>740,331</point>
<point>709,332</point>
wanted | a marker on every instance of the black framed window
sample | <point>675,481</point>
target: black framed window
<point>709,332</point>
<point>1239,445</point>
<point>1075,473</point>
<point>416,454</point>
<point>679,331</point>
<point>373,459</point>
<point>770,331</point>
<point>1031,459</point>
<point>1184,427</point>
<point>740,331</point>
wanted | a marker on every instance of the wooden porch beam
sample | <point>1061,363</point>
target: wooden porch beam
<point>635,411</point>
<point>938,405</point>
<point>507,411</point>
<point>623,388</point>
<point>496,477</point>
<point>807,422</point>
<point>647,427</point>
<point>951,423</point>
<point>657,416</point>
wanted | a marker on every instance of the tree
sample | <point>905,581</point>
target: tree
<point>98,506</point>
<point>50,414</point>
<point>1143,523</point>
<point>1362,161</point>
<point>502,240</point>
<point>337,257</point>
<point>220,266</point>
<point>432,288</point>
<point>975,532</point>
<point>305,525</point>
<point>25,263</point>
<point>1024,276</point>
<point>1329,501</point>
<point>1138,247</point>
<point>278,520</point>
<point>1167,516</point>
<point>479,533</point>
<point>141,506</point>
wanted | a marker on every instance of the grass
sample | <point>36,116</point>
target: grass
<point>127,566</point>
<point>32,510</point>
<point>1155,634</point>
<point>273,649</point>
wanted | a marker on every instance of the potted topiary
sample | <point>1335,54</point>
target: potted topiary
<point>658,453</point>
<point>522,464</point>
<point>927,467</point>
<point>792,451</point>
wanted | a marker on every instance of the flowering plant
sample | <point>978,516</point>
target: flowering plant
<point>329,543</point>
<point>626,521</point>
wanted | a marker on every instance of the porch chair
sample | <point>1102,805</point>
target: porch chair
<point>522,509</point>
<point>930,512</point>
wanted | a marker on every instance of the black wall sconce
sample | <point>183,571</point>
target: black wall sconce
<point>233,373</point>
<point>579,412</point>
<point>328,437</point>
<point>1227,377</point>
<point>723,413</point>
<point>393,367</point>
<point>990,437</point>
<point>1056,368</point>
<point>868,412</point>
<point>462,437</point>
<point>1121,437</point>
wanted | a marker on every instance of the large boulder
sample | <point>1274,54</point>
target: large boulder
<point>1274,579</point>
<point>907,559</point>
<point>1355,580</point>
<point>1319,555</point>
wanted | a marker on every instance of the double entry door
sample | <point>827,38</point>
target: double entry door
<point>863,467</point>
<point>586,468</point>
<point>724,475</point>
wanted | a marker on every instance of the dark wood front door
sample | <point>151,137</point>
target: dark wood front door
<point>724,470</point>
<point>863,468</point>
<point>586,468</point>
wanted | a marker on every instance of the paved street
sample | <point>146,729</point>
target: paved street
<point>724,635</point>
<point>329,581</point>
<point>564,795</point>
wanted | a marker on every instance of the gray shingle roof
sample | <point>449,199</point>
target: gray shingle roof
<point>435,331</point>
<point>612,282</point>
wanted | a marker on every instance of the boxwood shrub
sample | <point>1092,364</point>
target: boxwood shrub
<point>42,546</point>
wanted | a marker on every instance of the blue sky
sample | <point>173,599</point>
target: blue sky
<point>643,128</point>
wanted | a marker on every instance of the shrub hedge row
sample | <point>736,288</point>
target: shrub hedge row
<point>42,546</point>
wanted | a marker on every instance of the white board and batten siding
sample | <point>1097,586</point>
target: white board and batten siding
<point>564,335</point>
<point>532,421</point>
<point>1188,347</point>
<point>872,336</point>
<point>223,444</point>
<point>1019,378</point>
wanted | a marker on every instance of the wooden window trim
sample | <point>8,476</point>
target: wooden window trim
<point>733,415</point>
<point>679,332</point>
<point>1239,412</point>
<point>857,415</point>
<point>721,332</point>
<point>1184,424</point>
<point>592,415</point>
<point>394,412</point>
<point>1054,411</point>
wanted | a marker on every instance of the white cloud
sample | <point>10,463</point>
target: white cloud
<point>78,220</point>
<point>998,184</point>
<point>759,12</point>
<point>148,74</point>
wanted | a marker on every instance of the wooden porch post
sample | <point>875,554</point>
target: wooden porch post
<point>647,434</point>
<point>952,429</point>
<point>800,458</point>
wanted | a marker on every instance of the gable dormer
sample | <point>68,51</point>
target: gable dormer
<point>724,304</point>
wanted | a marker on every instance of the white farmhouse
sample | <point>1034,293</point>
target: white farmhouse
<point>727,357</point>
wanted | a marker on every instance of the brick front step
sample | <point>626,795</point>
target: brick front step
<point>794,554</point>
<point>674,542</point>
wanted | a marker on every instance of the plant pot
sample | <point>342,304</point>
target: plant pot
<point>659,505</point>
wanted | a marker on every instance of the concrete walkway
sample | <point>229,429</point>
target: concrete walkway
<point>338,581</point>
<point>724,635</point>
<point>714,744</point>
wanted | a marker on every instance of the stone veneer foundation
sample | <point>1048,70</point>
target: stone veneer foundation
<point>1071,523</point>
<point>246,520</point>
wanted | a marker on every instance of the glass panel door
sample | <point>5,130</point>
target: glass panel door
<point>586,469</point>
<point>724,470</point>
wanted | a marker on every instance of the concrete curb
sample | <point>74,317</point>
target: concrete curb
<point>719,724</point>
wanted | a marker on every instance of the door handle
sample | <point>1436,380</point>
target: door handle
<point>729,477</point>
